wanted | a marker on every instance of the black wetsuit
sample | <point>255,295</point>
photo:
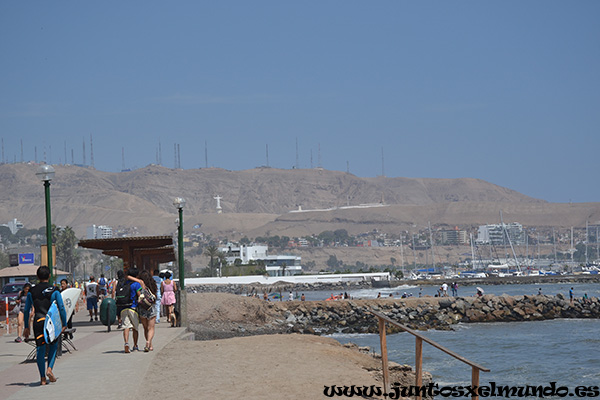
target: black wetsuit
<point>42,300</point>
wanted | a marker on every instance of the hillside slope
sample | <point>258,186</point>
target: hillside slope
<point>260,200</point>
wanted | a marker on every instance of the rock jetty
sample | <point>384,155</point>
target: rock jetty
<point>353,316</point>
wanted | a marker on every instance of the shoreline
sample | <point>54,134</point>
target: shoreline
<point>234,315</point>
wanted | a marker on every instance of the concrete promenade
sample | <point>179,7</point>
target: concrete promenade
<point>99,368</point>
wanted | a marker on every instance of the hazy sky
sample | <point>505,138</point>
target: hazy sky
<point>504,91</point>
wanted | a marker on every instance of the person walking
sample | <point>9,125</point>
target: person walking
<point>40,298</point>
<point>147,317</point>
<point>21,300</point>
<point>102,288</point>
<point>64,285</point>
<point>129,314</point>
<point>119,302</point>
<point>91,295</point>
<point>158,281</point>
<point>167,290</point>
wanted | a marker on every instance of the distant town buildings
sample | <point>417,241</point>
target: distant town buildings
<point>99,232</point>
<point>275,265</point>
<point>454,237</point>
<point>495,234</point>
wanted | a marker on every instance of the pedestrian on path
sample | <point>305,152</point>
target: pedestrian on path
<point>91,295</point>
<point>158,280</point>
<point>129,315</point>
<point>147,317</point>
<point>40,298</point>
<point>21,301</point>
<point>167,289</point>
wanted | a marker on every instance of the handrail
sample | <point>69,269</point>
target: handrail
<point>475,368</point>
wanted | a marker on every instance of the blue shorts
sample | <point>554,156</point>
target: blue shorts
<point>92,303</point>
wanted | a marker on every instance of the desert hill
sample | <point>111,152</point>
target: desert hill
<point>259,201</point>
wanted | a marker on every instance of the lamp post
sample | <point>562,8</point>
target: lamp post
<point>46,174</point>
<point>179,203</point>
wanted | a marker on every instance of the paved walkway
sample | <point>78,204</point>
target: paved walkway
<point>98,369</point>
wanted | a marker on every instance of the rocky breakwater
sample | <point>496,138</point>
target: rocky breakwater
<point>353,316</point>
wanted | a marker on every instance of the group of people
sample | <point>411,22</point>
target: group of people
<point>443,290</point>
<point>126,290</point>
<point>38,299</point>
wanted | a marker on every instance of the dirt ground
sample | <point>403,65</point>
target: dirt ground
<point>290,366</point>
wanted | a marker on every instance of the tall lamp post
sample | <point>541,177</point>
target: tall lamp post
<point>179,203</point>
<point>46,174</point>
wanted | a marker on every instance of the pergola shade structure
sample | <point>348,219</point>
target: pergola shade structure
<point>142,252</point>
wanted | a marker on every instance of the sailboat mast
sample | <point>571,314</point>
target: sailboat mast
<point>587,236</point>
<point>472,252</point>
<point>510,242</point>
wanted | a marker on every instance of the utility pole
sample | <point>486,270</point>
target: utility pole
<point>297,156</point>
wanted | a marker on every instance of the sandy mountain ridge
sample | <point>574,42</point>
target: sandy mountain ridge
<point>258,201</point>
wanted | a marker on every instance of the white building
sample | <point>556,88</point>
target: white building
<point>99,232</point>
<point>494,234</point>
<point>276,265</point>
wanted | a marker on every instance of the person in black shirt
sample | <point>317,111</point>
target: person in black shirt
<point>41,297</point>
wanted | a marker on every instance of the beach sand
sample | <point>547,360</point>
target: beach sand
<point>289,366</point>
<point>261,366</point>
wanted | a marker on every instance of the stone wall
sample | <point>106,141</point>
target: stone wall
<point>352,316</point>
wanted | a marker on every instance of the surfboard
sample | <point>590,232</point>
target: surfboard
<point>53,324</point>
<point>70,297</point>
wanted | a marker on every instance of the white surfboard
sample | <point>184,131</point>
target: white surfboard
<point>70,297</point>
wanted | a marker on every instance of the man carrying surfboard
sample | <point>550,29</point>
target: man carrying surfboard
<point>41,297</point>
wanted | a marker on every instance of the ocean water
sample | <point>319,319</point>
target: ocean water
<point>592,289</point>
<point>566,351</point>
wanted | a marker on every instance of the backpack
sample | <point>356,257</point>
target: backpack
<point>102,282</point>
<point>146,299</point>
<point>123,294</point>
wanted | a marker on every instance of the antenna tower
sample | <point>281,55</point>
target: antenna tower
<point>21,150</point>
<point>297,160</point>
<point>178,156</point>
<point>35,151</point>
<point>84,153</point>
<point>319,157</point>
<point>382,163</point>
<point>66,162</point>
<point>91,152</point>
<point>267,154</point>
<point>72,157</point>
<point>175,155</point>
<point>159,153</point>
<point>205,155</point>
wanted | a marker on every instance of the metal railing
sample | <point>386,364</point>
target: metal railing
<point>475,368</point>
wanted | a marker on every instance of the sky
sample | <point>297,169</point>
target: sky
<point>505,91</point>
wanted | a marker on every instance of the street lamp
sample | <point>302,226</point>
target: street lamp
<point>46,174</point>
<point>179,203</point>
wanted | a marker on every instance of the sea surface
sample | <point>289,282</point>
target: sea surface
<point>551,289</point>
<point>566,351</point>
